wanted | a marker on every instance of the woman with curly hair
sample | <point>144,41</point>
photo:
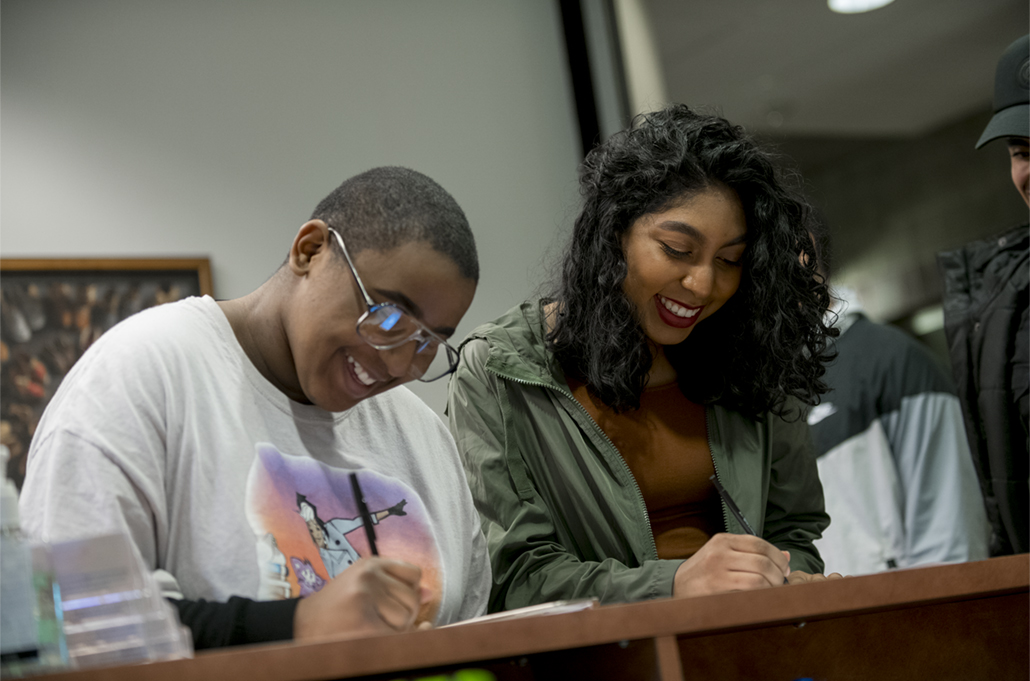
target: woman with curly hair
<point>682,342</point>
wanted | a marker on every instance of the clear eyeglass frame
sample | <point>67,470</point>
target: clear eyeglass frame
<point>386,326</point>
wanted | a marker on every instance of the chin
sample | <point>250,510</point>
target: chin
<point>336,405</point>
<point>334,401</point>
<point>343,405</point>
<point>668,336</point>
<point>337,396</point>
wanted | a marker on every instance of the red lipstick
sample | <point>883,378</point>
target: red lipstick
<point>673,320</point>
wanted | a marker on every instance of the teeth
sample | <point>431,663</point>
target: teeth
<point>678,310</point>
<point>360,372</point>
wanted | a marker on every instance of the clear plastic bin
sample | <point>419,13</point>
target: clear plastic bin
<point>113,611</point>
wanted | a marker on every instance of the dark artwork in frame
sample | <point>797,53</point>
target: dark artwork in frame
<point>52,310</point>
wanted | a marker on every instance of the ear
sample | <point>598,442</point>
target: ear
<point>311,241</point>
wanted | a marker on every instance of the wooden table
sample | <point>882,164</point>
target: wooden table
<point>967,621</point>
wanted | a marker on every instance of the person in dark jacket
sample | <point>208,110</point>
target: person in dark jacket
<point>678,348</point>
<point>986,301</point>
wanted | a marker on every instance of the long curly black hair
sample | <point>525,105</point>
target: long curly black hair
<point>767,346</point>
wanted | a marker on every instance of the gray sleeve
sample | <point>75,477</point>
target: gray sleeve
<point>74,490</point>
<point>795,514</point>
<point>943,510</point>
<point>477,592</point>
<point>97,462</point>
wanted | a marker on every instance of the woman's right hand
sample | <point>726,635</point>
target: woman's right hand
<point>731,562</point>
<point>374,595</point>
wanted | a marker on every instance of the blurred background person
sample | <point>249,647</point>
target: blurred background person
<point>898,480</point>
<point>986,302</point>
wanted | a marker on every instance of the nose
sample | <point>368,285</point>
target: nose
<point>398,360</point>
<point>699,280</point>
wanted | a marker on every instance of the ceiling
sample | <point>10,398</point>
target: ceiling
<point>794,68</point>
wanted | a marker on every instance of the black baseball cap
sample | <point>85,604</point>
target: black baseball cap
<point>1011,94</point>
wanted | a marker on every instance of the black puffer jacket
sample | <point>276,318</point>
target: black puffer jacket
<point>985,319</point>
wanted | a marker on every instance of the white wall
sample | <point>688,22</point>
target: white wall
<point>147,128</point>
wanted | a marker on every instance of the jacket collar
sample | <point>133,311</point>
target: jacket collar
<point>518,346</point>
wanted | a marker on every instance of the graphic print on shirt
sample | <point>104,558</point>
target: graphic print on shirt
<point>331,537</point>
<point>308,579</point>
<point>308,528</point>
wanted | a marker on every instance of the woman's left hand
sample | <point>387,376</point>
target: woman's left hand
<point>799,577</point>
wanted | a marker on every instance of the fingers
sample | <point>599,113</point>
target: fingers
<point>730,562</point>
<point>738,562</point>
<point>372,595</point>
<point>799,577</point>
<point>757,555</point>
<point>747,543</point>
<point>747,581</point>
<point>755,569</point>
<point>397,608</point>
<point>404,572</point>
<point>396,591</point>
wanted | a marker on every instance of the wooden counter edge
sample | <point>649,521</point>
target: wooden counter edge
<point>338,658</point>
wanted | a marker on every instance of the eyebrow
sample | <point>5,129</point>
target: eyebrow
<point>409,306</point>
<point>696,234</point>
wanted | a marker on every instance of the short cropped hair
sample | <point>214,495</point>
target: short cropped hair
<point>387,207</point>
<point>766,348</point>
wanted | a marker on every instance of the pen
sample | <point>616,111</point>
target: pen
<point>366,517</point>
<point>733,509</point>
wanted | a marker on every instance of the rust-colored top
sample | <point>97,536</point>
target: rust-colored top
<point>665,445</point>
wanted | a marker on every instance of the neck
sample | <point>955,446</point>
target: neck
<point>662,372</point>
<point>256,321</point>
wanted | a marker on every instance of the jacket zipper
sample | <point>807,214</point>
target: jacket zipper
<point>625,466</point>
<point>715,466</point>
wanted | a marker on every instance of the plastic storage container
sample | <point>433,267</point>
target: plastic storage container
<point>113,612</point>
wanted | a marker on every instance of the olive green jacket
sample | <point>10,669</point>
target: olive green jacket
<point>562,514</point>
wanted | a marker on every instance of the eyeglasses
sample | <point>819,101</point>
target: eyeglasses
<point>386,326</point>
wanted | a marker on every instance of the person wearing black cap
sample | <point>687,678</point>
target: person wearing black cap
<point>1012,112</point>
<point>986,300</point>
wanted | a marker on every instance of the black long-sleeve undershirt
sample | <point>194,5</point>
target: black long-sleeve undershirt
<point>237,621</point>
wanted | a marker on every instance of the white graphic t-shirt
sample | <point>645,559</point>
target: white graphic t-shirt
<point>165,430</point>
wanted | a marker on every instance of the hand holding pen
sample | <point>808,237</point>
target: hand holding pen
<point>732,562</point>
<point>789,576</point>
<point>732,506</point>
<point>372,596</point>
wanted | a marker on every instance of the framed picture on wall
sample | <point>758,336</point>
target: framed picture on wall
<point>52,310</point>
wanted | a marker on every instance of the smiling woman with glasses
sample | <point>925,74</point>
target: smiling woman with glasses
<point>386,326</point>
